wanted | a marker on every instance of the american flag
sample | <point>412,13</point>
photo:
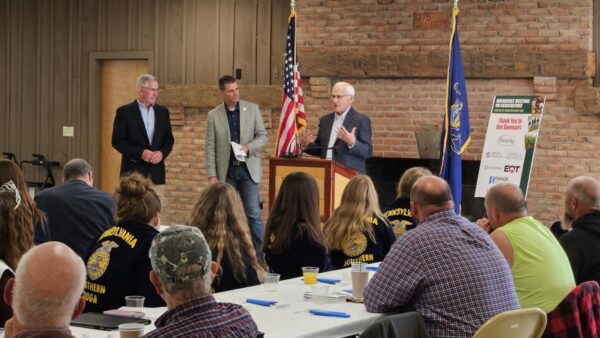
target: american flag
<point>293,118</point>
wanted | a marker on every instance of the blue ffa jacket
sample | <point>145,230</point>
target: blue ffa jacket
<point>118,265</point>
<point>303,251</point>
<point>362,249</point>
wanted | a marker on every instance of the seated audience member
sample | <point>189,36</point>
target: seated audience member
<point>77,211</point>
<point>182,272</point>
<point>46,293</point>
<point>16,237</point>
<point>293,235</point>
<point>357,231</point>
<point>447,268</point>
<point>9,171</point>
<point>582,243</point>
<point>219,214</point>
<point>398,213</point>
<point>557,229</point>
<point>117,262</point>
<point>540,268</point>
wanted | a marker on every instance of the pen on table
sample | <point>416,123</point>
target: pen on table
<point>328,280</point>
<point>329,313</point>
<point>261,302</point>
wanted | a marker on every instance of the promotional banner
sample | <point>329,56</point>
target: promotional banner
<point>510,142</point>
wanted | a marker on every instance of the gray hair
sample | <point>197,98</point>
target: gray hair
<point>585,189</point>
<point>76,168</point>
<point>144,79</point>
<point>348,88</point>
<point>36,308</point>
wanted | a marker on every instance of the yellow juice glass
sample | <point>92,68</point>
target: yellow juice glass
<point>310,274</point>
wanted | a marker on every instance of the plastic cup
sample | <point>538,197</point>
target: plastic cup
<point>360,279</point>
<point>310,274</point>
<point>131,330</point>
<point>320,290</point>
<point>135,301</point>
<point>271,281</point>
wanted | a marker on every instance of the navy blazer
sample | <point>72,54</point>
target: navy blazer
<point>353,158</point>
<point>130,139</point>
<point>77,213</point>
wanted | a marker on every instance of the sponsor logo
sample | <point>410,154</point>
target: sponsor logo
<point>496,179</point>
<point>505,140</point>
<point>511,155</point>
<point>511,168</point>
<point>491,167</point>
<point>493,154</point>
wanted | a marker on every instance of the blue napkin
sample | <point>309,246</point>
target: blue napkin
<point>373,268</point>
<point>261,302</point>
<point>329,313</point>
<point>328,280</point>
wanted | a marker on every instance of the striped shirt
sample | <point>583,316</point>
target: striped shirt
<point>203,318</point>
<point>448,270</point>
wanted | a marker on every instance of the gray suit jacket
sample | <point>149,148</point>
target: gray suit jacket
<point>218,140</point>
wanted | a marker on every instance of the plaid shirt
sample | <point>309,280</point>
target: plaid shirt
<point>578,315</point>
<point>205,318</point>
<point>449,271</point>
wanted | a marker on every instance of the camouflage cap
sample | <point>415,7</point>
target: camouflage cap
<point>177,246</point>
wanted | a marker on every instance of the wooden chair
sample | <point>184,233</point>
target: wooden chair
<point>523,323</point>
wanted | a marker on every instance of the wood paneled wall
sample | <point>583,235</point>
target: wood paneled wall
<point>46,77</point>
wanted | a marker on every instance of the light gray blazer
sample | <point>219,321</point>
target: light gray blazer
<point>218,140</point>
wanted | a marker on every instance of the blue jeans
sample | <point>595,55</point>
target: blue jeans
<point>239,178</point>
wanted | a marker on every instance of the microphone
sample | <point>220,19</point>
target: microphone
<point>334,149</point>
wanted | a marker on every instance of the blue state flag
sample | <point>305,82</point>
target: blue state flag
<point>456,129</point>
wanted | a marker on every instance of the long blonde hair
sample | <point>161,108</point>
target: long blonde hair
<point>358,205</point>
<point>221,218</point>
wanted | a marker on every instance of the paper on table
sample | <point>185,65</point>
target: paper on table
<point>240,155</point>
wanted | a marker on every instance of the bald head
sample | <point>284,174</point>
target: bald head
<point>506,197</point>
<point>49,282</point>
<point>586,190</point>
<point>504,202</point>
<point>429,195</point>
<point>582,197</point>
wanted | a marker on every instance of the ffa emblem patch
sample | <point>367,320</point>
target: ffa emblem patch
<point>399,227</point>
<point>98,261</point>
<point>356,246</point>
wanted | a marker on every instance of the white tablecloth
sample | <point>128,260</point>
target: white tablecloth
<point>290,318</point>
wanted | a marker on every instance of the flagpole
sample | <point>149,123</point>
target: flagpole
<point>293,12</point>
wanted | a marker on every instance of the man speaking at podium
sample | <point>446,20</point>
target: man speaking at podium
<point>344,135</point>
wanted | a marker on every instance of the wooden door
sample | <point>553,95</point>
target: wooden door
<point>118,88</point>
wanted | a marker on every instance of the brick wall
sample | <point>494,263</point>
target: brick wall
<point>484,25</point>
<point>568,143</point>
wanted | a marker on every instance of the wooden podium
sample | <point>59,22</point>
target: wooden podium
<point>331,177</point>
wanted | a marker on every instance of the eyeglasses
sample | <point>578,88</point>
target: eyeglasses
<point>156,90</point>
<point>339,97</point>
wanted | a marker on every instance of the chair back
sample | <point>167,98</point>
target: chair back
<point>404,325</point>
<point>577,315</point>
<point>523,323</point>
